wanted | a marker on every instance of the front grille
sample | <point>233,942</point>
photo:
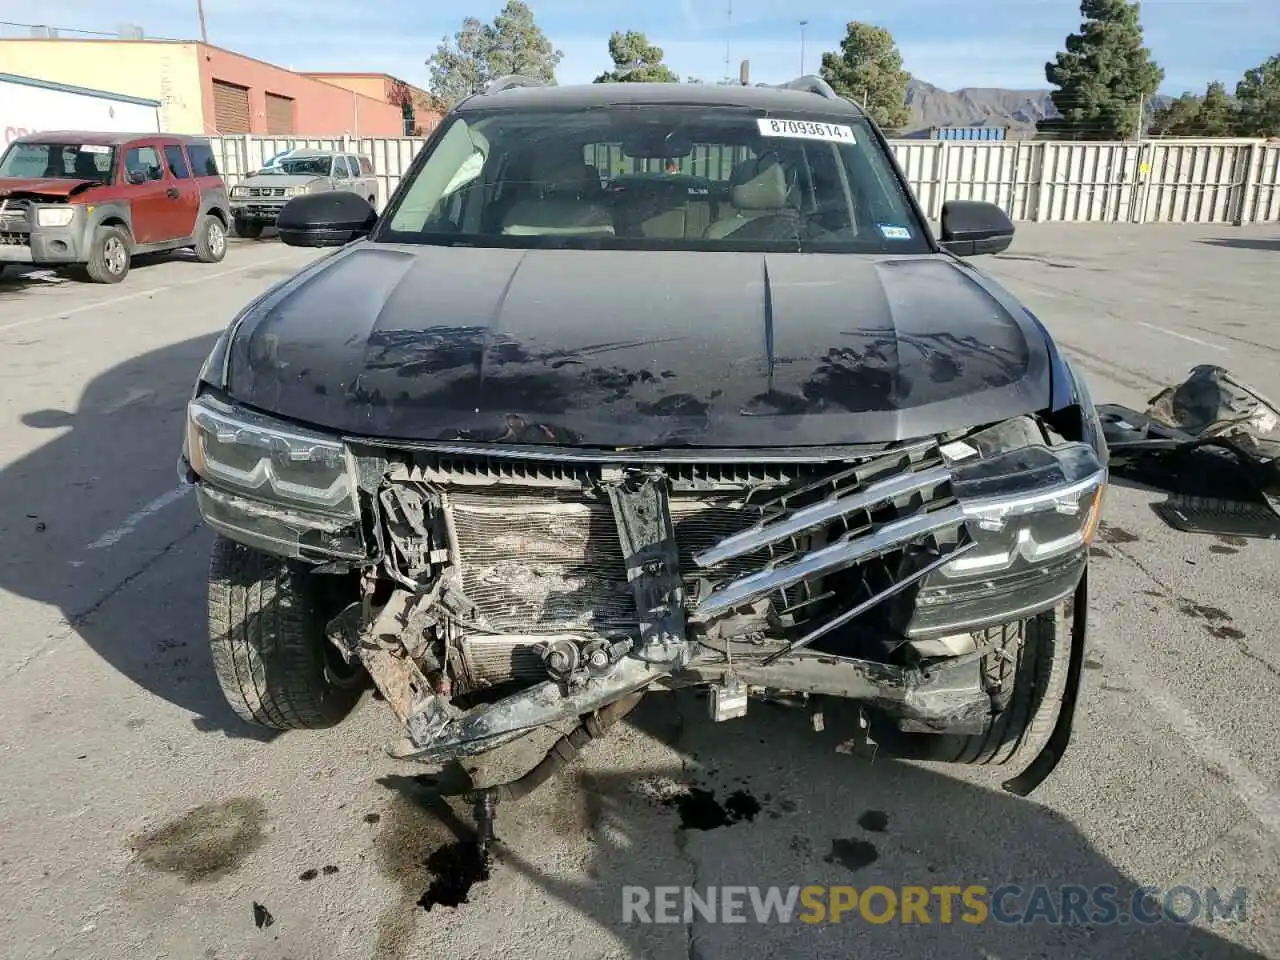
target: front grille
<point>538,548</point>
<point>11,238</point>
<point>266,191</point>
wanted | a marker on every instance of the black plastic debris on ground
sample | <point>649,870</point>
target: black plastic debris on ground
<point>700,810</point>
<point>1216,486</point>
<point>455,868</point>
<point>262,917</point>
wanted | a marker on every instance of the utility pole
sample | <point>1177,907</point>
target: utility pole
<point>803,24</point>
<point>1142,106</point>
<point>204,34</point>
<point>728,42</point>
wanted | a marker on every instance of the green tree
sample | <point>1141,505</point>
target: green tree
<point>1103,76</point>
<point>481,52</point>
<point>868,70</point>
<point>636,60</point>
<point>1258,95</point>
<point>1210,115</point>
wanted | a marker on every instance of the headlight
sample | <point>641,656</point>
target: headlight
<point>249,454</point>
<point>1033,509</point>
<point>54,216</point>
<point>239,191</point>
<point>1030,504</point>
<point>296,191</point>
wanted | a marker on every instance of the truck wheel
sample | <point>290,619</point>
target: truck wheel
<point>273,662</point>
<point>109,256</point>
<point>1026,676</point>
<point>248,229</point>
<point>211,239</point>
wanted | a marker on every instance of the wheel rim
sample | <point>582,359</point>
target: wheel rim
<point>217,239</point>
<point>113,255</point>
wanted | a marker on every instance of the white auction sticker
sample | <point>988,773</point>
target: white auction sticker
<point>805,130</point>
<point>94,148</point>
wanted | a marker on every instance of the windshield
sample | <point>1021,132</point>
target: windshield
<point>299,166</point>
<point>660,178</point>
<point>59,161</point>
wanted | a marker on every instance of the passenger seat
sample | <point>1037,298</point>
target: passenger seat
<point>757,188</point>
<point>559,200</point>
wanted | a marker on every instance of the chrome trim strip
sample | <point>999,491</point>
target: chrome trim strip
<point>767,532</point>
<point>838,555</point>
<point>897,587</point>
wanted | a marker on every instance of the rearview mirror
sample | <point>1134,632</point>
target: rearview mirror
<point>971,228</point>
<point>325,219</point>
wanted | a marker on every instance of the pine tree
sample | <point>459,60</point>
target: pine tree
<point>868,71</point>
<point>1104,75</point>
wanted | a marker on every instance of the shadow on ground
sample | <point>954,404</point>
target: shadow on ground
<point>102,462</point>
<point>1245,243</point>
<point>732,811</point>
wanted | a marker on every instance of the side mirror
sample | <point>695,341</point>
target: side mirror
<point>325,219</point>
<point>137,177</point>
<point>971,228</point>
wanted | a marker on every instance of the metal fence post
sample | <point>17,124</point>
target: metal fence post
<point>942,174</point>
<point>1248,194</point>
<point>1042,180</point>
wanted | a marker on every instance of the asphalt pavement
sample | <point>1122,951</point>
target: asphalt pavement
<point>140,819</point>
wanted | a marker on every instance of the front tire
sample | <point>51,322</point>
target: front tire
<point>1025,673</point>
<point>211,239</point>
<point>266,636</point>
<point>110,255</point>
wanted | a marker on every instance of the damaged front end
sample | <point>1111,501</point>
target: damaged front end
<point>506,588</point>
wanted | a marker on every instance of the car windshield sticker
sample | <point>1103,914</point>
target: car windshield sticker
<point>805,130</point>
<point>890,232</point>
<point>94,148</point>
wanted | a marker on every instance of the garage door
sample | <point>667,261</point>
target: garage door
<point>279,113</point>
<point>230,107</point>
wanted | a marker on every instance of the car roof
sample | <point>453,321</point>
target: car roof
<point>792,99</point>
<point>100,139</point>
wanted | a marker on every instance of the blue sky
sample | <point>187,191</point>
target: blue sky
<point>980,43</point>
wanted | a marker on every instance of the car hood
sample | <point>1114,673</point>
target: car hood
<point>280,180</point>
<point>46,186</point>
<point>627,348</point>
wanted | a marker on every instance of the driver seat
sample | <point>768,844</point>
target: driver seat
<point>757,188</point>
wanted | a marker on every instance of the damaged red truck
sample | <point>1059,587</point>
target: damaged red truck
<point>95,200</point>
<point>647,386</point>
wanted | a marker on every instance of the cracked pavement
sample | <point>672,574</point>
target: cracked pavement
<point>140,819</point>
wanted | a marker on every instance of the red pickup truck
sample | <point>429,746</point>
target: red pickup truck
<point>96,200</point>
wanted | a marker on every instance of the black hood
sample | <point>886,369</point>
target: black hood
<point>629,348</point>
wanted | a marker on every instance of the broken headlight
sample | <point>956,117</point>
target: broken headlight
<point>243,452</point>
<point>1033,507</point>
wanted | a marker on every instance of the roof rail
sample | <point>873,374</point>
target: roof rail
<point>511,82</point>
<point>811,84</point>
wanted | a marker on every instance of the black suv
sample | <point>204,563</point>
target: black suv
<point>642,386</point>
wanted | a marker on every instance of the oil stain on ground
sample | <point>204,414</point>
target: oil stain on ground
<point>432,856</point>
<point>852,854</point>
<point>1113,534</point>
<point>875,821</point>
<point>700,810</point>
<point>205,843</point>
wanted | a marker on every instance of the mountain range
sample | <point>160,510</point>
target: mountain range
<point>977,107</point>
<point>1019,110</point>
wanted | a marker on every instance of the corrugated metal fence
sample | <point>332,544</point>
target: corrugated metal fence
<point>1148,181</point>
